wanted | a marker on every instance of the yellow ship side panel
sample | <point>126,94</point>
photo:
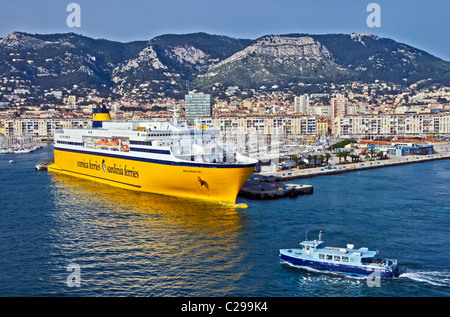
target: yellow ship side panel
<point>218,184</point>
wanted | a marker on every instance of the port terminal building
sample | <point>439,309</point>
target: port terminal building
<point>402,148</point>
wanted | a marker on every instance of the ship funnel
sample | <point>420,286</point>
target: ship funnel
<point>99,115</point>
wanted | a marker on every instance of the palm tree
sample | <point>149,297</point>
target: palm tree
<point>339,155</point>
<point>321,158</point>
<point>327,156</point>
<point>345,154</point>
<point>309,158</point>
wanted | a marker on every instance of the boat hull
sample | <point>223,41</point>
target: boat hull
<point>211,182</point>
<point>341,268</point>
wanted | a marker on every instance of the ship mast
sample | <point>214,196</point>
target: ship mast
<point>175,117</point>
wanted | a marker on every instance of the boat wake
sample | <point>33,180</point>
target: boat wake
<point>435,278</point>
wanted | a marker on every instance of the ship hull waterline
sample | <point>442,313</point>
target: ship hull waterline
<point>218,183</point>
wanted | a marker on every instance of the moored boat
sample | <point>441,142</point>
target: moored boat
<point>348,260</point>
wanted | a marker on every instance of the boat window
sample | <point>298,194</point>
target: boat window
<point>322,256</point>
<point>337,258</point>
<point>345,259</point>
<point>329,257</point>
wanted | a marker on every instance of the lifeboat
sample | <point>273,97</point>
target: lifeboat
<point>113,143</point>
<point>102,142</point>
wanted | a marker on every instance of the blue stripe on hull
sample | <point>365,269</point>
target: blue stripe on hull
<point>347,269</point>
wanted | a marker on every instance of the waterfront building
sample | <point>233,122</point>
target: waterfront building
<point>402,149</point>
<point>290,126</point>
<point>391,125</point>
<point>197,105</point>
<point>39,127</point>
<point>262,134</point>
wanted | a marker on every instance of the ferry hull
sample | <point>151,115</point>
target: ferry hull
<point>341,268</point>
<point>215,183</point>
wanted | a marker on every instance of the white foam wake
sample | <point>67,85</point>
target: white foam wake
<point>436,278</point>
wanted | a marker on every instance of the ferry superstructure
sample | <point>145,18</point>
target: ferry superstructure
<point>347,260</point>
<point>153,156</point>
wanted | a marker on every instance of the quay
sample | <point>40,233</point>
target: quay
<point>350,167</point>
<point>256,189</point>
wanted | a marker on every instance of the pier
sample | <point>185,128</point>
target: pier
<point>350,167</point>
<point>256,189</point>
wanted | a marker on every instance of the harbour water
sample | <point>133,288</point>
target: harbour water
<point>131,244</point>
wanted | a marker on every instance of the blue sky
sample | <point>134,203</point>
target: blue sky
<point>419,23</point>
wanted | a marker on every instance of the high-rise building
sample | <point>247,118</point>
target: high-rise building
<point>197,105</point>
<point>339,106</point>
<point>301,104</point>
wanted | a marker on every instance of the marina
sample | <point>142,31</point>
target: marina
<point>12,145</point>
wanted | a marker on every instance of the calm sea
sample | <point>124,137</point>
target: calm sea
<point>57,230</point>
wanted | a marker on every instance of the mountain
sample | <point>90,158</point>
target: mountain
<point>174,56</point>
<point>281,59</point>
<point>276,60</point>
<point>62,60</point>
<point>166,62</point>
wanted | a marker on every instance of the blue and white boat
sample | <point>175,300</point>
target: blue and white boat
<point>314,254</point>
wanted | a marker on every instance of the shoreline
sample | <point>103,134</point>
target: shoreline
<point>345,168</point>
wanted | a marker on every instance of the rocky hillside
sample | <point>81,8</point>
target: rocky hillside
<point>166,62</point>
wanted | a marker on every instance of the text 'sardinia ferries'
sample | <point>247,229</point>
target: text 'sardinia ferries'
<point>153,156</point>
<point>344,260</point>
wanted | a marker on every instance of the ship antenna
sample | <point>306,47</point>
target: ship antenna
<point>320,235</point>
<point>306,235</point>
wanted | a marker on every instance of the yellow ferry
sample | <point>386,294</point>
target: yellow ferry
<point>162,157</point>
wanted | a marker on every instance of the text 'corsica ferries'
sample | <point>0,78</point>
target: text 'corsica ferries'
<point>347,260</point>
<point>153,156</point>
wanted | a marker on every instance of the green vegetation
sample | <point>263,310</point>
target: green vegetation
<point>341,144</point>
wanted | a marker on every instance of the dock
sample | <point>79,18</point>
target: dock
<point>42,166</point>
<point>255,189</point>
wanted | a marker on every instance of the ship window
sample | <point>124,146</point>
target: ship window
<point>321,256</point>
<point>344,259</point>
<point>337,258</point>
<point>329,257</point>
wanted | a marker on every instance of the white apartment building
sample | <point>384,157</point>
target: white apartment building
<point>392,125</point>
<point>290,126</point>
<point>39,127</point>
<point>301,104</point>
<point>261,135</point>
